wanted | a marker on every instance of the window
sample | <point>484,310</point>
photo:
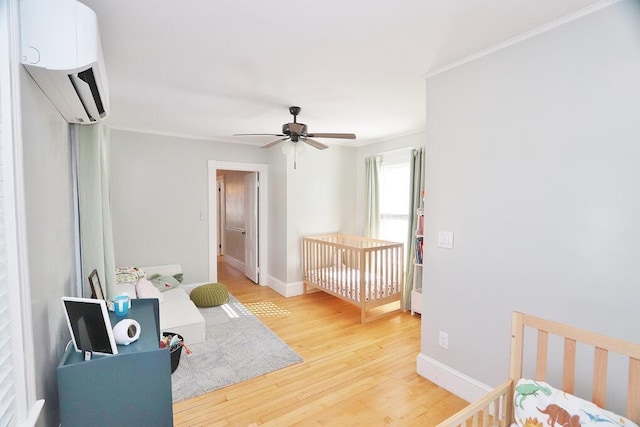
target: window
<point>394,200</point>
<point>17,387</point>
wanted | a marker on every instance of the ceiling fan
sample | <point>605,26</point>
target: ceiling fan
<point>298,132</point>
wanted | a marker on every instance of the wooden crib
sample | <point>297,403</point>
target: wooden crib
<point>497,407</point>
<point>367,273</point>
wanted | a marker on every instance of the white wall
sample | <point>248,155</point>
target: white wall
<point>317,197</point>
<point>158,192</point>
<point>50,235</point>
<point>277,216</point>
<point>532,161</point>
<point>320,199</point>
<point>159,188</point>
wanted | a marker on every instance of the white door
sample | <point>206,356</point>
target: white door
<point>251,261</point>
<point>220,225</point>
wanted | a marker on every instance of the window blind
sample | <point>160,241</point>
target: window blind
<point>18,404</point>
<point>7,385</point>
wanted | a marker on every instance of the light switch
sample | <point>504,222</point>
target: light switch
<point>445,239</point>
<point>202,215</point>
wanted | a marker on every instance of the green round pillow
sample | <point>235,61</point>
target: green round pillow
<point>210,295</point>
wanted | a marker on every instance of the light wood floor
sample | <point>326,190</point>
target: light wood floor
<point>352,374</point>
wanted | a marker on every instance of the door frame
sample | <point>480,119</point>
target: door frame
<point>263,208</point>
<point>220,222</point>
<point>251,226</point>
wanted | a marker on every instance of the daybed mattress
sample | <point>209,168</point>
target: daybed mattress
<point>180,316</point>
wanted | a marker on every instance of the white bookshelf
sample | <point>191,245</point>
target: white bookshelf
<point>416,291</point>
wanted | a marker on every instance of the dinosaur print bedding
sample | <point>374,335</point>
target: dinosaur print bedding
<point>537,404</point>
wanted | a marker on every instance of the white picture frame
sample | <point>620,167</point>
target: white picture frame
<point>89,326</point>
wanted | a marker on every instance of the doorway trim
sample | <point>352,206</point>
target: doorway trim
<point>263,208</point>
<point>220,223</point>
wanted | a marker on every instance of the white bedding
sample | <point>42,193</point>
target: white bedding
<point>345,281</point>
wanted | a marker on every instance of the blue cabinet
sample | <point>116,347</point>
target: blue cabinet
<point>131,388</point>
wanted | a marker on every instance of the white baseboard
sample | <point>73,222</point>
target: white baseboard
<point>454,381</point>
<point>237,264</point>
<point>285,289</point>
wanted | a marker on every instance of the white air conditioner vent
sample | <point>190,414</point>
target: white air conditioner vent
<point>62,51</point>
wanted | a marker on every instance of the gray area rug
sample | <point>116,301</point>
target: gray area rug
<point>235,349</point>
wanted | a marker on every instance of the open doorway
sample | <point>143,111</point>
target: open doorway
<point>221,204</point>
<point>238,218</point>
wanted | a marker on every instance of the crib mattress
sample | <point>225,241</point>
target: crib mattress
<point>345,281</point>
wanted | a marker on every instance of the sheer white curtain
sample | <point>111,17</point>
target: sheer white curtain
<point>372,197</point>
<point>91,144</point>
<point>415,202</point>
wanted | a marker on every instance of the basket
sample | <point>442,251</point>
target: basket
<point>176,352</point>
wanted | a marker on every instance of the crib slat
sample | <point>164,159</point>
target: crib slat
<point>633,396</point>
<point>364,270</point>
<point>485,415</point>
<point>541,357</point>
<point>304,265</point>
<point>497,408</point>
<point>599,392</point>
<point>400,269</point>
<point>507,408</point>
<point>387,278</point>
<point>396,284</point>
<point>373,267</point>
<point>517,332</point>
<point>323,256</point>
<point>328,272</point>
<point>352,273</point>
<point>569,369</point>
<point>394,274</point>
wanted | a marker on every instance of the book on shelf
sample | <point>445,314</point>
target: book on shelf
<point>420,227</point>
<point>419,250</point>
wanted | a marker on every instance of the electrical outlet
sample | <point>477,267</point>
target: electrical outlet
<point>443,340</point>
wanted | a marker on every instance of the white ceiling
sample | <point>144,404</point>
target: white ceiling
<point>212,68</point>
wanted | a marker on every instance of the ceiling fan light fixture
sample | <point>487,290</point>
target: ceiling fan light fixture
<point>287,149</point>
<point>300,148</point>
<point>291,147</point>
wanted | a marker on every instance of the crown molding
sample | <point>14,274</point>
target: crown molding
<point>524,36</point>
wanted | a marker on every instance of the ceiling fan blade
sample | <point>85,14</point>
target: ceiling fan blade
<point>259,134</point>
<point>316,144</point>
<point>333,135</point>
<point>276,142</point>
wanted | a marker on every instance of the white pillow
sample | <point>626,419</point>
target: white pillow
<point>145,289</point>
<point>536,403</point>
<point>128,274</point>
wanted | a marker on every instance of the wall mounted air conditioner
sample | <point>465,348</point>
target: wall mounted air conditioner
<point>62,51</point>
